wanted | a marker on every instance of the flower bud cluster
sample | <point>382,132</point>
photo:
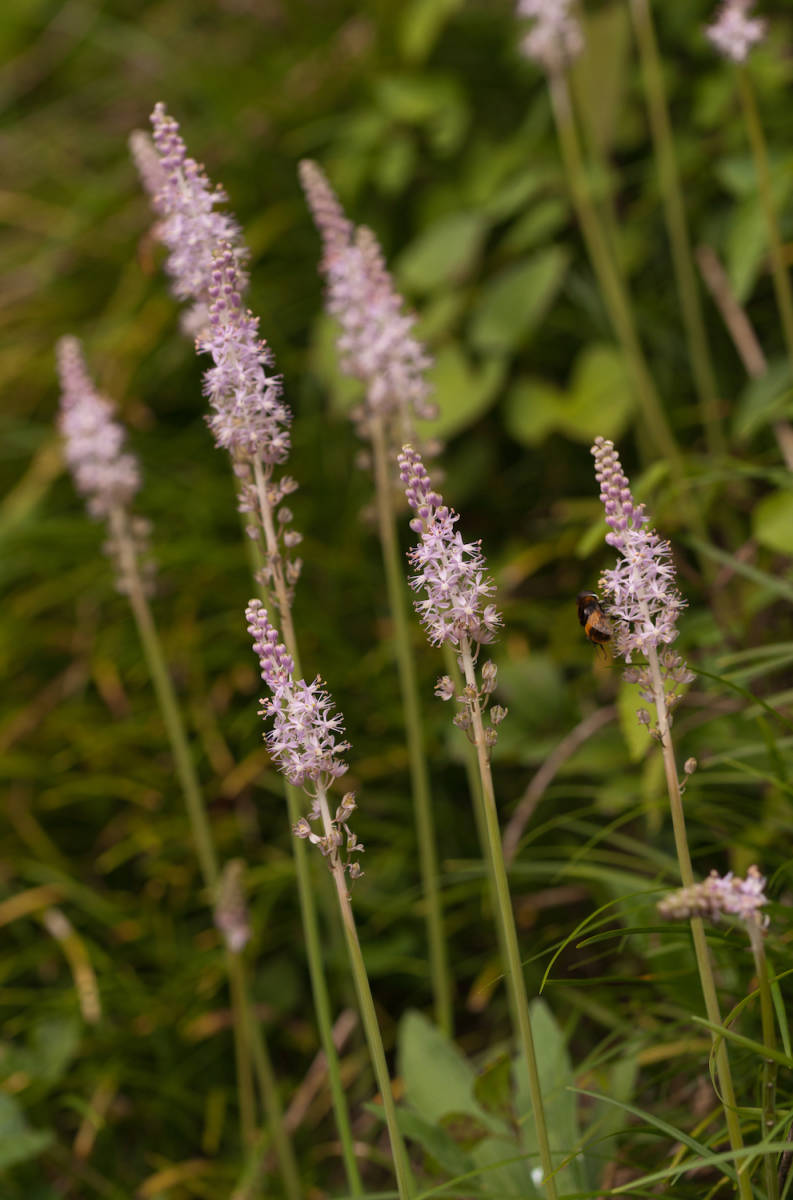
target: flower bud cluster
<point>719,896</point>
<point>555,37</point>
<point>734,33</point>
<point>190,227</point>
<point>106,474</point>
<point>377,345</point>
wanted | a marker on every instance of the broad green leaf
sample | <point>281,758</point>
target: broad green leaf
<point>436,1141</point>
<point>556,1078</point>
<point>421,25</point>
<point>772,522</point>
<point>599,401</point>
<point>18,1142</point>
<point>493,1088</point>
<point>531,411</point>
<point>462,392</point>
<point>764,400</point>
<point>514,302</point>
<point>442,253</point>
<point>600,73</point>
<point>538,225</point>
<point>746,246</point>
<point>437,1077</point>
<point>636,736</point>
<point>53,1045</point>
<point>508,1169</point>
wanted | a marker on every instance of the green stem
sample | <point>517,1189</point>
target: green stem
<point>768,1102</point>
<point>784,294</point>
<point>505,916</point>
<point>419,776</point>
<point>704,965</point>
<point>242,1050</point>
<point>676,225</point>
<point>611,284</point>
<point>305,886</point>
<point>371,1027</point>
<point>188,779</point>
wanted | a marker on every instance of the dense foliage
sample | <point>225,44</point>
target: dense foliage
<point>440,137</point>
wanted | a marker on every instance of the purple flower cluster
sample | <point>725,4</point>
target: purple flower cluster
<point>189,226</point>
<point>644,599</point>
<point>734,33</point>
<point>719,896</point>
<point>555,38</point>
<point>250,419</point>
<point>306,739</point>
<point>451,572</point>
<point>103,472</point>
<point>377,345</point>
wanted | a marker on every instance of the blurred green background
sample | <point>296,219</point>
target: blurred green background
<point>439,136</point>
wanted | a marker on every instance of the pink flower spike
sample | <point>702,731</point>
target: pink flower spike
<point>734,33</point>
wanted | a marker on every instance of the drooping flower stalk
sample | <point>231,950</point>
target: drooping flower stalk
<point>456,609</point>
<point>306,743</point>
<point>677,225</point>
<point>377,347</point>
<point>735,34</point>
<point>644,605</point>
<point>716,897</point>
<point>553,42</point>
<point>109,478</point>
<point>250,420</point>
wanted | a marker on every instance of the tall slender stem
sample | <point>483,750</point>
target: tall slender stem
<point>514,967</point>
<point>677,227</point>
<point>768,1101</point>
<point>419,775</point>
<point>702,954</point>
<point>611,284</point>
<point>305,885</point>
<point>199,822</point>
<point>779,271</point>
<point>374,1040</point>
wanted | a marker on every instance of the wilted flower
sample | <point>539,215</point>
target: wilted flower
<point>377,345</point>
<point>734,33</point>
<point>231,911</point>
<point>555,38</point>
<point>719,896</point>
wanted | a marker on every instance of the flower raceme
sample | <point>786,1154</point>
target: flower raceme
<point>734,33</point>
<point>451,572</point>
<point>377,345</point>
<point>719,896</point>
<point>306,741</point>
<point>555,38</point>
<point>190,226</point>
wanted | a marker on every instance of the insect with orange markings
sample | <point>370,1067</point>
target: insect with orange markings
<point>596,624</point>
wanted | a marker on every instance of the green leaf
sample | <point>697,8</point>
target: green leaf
<point>508,1170</point>
<point>421,26</point>
<point>462,393</point>
<point>437,1077</point>
<point>514,302</point>
<point>18,1142</point>
<point>493,1088</point>
<point>746,246</point>
<point>538,225</point>
<point>556,1078</point>
<point>443,253</point>
<point>436,1141</point>
<point>636,736</point>
<point>764,400</point>
<point>772,522</point>
<point>600,73</point>
<point>598,401</point>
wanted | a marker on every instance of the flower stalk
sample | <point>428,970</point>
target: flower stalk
<point>645,606</point>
